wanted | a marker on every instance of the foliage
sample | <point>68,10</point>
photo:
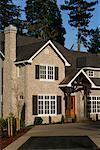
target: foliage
<point>80,13</point>
<point>49,119</point>
<point>94,43</point>
<point>74,119</point>
<point>62,119</point>
<point>44,20</point>
<point>38,121</point>
<point>9,14</point>
<point>11,116</point>
<point>3,123</point>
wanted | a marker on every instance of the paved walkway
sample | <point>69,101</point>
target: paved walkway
<point>71,129</point>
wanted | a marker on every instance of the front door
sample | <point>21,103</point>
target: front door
<point>70,107</point>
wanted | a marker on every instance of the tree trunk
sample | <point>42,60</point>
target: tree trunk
<point>11,126</point>
<point>8,127</point>
<point>79,38</point>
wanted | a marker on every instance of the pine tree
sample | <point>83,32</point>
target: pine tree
<point>9,14</point>
<point>94,43</point>
<point>44,20</point>
<point>80,13</point>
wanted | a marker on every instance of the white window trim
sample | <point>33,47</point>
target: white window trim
<point>46,65</point>
<point>91,73</point>
<point>49,106</point>
<point>91,107</point>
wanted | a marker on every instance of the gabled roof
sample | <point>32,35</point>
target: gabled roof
<point>25,52</point>
<point>70,78</point>
<point>28,46</point>
<point>96,81</point>
<point>29,52</point>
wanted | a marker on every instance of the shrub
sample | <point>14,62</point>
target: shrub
<point>62,119</point>
<point>49,119</point>
<point>3,123</point>
<point>74,119</point>
<point>38,121</point>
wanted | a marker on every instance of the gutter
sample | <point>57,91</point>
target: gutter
<point>2,54</point>
<point>22,62</point>
<point>91,68</point>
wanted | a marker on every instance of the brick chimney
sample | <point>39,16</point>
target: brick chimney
<point>9,75</point>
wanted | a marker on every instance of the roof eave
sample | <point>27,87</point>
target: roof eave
<point>23,62</point>
<point>50,42</point>
<point>70,83</point>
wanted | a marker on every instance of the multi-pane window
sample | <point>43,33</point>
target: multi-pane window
<point>94,104</point>
<point>46,72</point>
<point>46,105</point>
<point>50,72</point>
<point>91,73</point>
<point>42,72</point>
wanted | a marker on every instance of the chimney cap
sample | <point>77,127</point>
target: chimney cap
<point>10,28</point>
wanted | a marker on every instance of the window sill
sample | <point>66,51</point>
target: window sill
<point>46,115</point>
<point>47,80</point>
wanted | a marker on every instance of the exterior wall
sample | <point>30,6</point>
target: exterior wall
<point>96,73</point>
<point>35,86</point>
<point>95,93</point>
<point>79,105</point>
<point>1,94</point>
<point>9,77</point>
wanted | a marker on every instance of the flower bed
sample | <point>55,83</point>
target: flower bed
<point>5,140</point>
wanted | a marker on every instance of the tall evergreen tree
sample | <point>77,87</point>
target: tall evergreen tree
<point>94,43</point>
<point>9,14</point>
<point>80,12</point>
<point>44,20</point>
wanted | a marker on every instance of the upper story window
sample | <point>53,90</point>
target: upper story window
<point>91,73</point>
<point>46,72</point>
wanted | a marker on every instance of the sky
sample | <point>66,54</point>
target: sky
<point>70,37</point>
<point>71,31</point>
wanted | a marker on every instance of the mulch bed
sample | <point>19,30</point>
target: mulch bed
<point>5,140</point>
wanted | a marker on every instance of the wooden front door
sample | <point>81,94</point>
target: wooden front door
<point>70,107</point>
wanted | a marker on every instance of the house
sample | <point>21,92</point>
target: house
<point>1,71</point>
<point>48,80</point>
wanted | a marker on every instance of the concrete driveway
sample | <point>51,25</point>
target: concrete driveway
<point>92,130</point>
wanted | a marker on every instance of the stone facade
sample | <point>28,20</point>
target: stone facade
<point>9,77</point>
<point>20,83</point>
<point>1,84</point>
<point>32,86</point>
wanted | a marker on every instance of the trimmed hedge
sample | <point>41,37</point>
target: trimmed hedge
<point>38,121</point>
